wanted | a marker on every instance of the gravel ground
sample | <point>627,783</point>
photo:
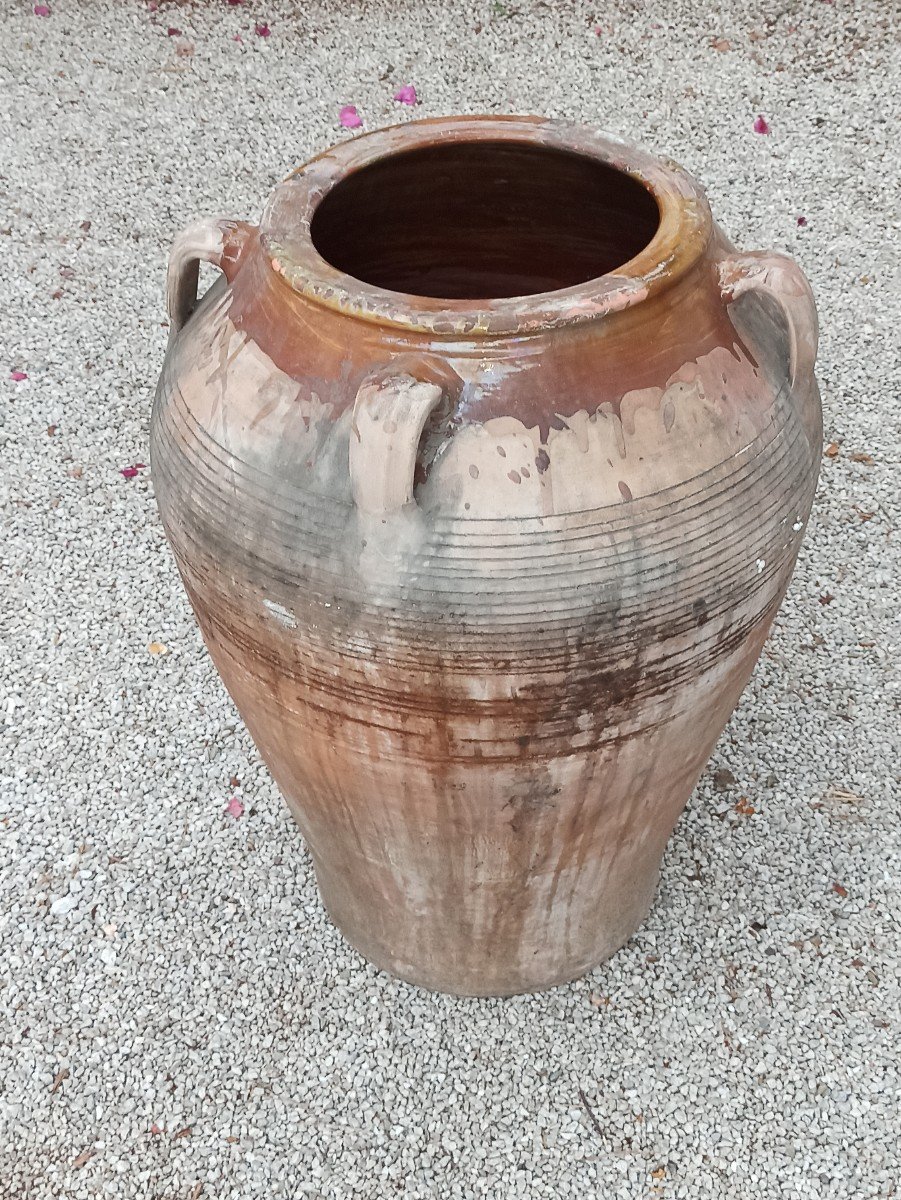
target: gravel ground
<point>178,1017</point>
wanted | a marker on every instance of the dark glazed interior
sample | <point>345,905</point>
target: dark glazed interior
<point>481,220</point>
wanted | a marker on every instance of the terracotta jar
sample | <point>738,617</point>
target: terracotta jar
<point>485,465</point>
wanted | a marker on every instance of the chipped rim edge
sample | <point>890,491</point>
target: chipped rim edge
<point>682,236</point>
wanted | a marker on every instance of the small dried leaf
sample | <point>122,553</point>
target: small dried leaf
<point>826,598</point>
<point>721,44</point>
<point>158,648</point>
<point>185,49</point>
<point>831,450</point>
<point>860,457</point>
<point>58,1080</point>
<point>182,1133</point>
<point>744,808</point>
<point>81,1159</point>
<point>839,890</point>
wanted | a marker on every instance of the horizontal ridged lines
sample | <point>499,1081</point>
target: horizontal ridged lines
<point>441,574</point>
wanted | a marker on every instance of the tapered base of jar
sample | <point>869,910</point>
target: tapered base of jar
<point>431,957</point>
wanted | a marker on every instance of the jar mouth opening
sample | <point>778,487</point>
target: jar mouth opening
<point>484,226</point>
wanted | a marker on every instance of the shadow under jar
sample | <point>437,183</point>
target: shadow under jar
<point>485,466</point>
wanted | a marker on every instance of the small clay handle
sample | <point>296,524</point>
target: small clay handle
<point>215,241</point>
<point>779,277</point>
<point>388,419</point>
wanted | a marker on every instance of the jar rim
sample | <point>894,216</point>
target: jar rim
<point>684,229</point>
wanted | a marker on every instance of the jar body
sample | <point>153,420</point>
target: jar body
<point>488,698</point>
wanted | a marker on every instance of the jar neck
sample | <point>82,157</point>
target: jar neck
<point>399,177</point>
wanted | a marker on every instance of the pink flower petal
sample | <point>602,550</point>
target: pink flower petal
<point>155,1129</point>
<point>235,3</point>
<point>173,32</point>
<point>235,808</point>
<point>130,472</point>
<point>262,29</point>
<point>349,118</point>
<point>760,125</point>
<point>238,38</point>
<point>406,94</point>
<point>18,376</point>
<point>152,6</point>
<point>41,10</point>
<point>802,221</point>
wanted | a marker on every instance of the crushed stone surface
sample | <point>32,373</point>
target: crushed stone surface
<point>178,1018</point>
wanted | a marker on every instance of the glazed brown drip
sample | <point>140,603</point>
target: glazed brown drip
<point>483,220</point>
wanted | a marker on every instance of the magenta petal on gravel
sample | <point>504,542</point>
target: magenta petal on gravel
<point>238,38</point>
<point>262,29</point>
<point>173,32</point>
<point>41,10</point>
<point>802,221</point>
<point>235,808</point>
<point>130,472</point>
<point>18,376</point>
<point>349,117</point>
<point>406,94</point>
<point>760,125</point>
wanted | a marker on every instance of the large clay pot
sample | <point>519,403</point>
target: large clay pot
<point>485,467</point>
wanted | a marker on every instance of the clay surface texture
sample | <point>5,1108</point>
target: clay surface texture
<point>485,505</point>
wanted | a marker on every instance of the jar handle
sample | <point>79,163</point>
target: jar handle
<point>214,240</point>
<point>389,416</point>
<point>779,277</point>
